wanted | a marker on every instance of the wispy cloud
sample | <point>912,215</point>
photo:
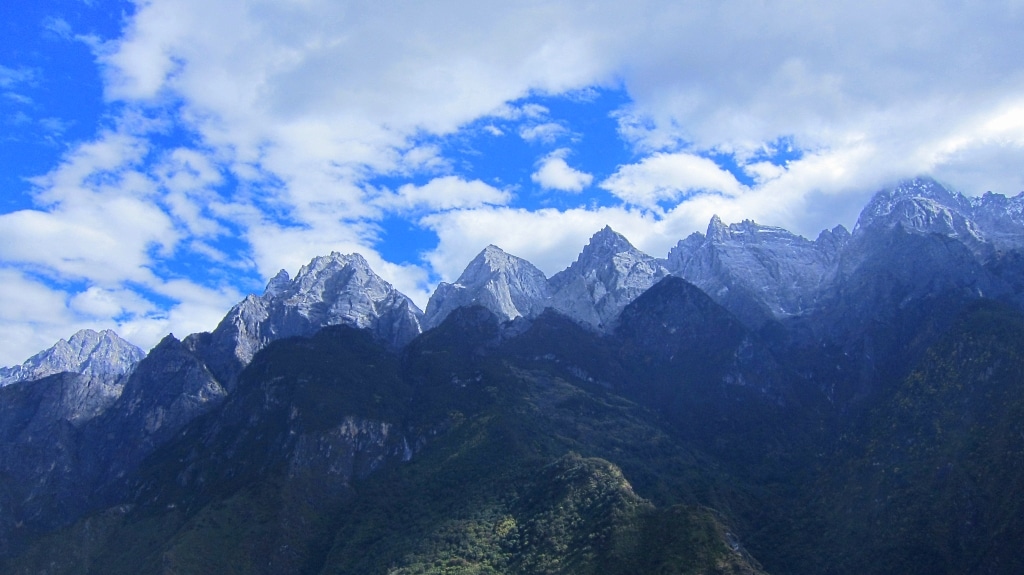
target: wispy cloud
<point>10,77</point>
<point>547,132</point>
<point>444,193</point>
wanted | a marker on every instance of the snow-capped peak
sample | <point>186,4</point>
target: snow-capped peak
<point>919,204</point>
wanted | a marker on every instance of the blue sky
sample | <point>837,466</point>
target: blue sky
<point>160,160</point>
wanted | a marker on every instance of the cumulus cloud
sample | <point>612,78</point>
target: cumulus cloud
<point>553,173</point>
<point>750,74</point>
<point>95,220</point>
<point>92,250</point>
<point>669,177</point>
<point>33,314</point>
<point>100,304</point>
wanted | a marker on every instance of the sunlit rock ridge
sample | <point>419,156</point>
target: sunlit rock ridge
<point>984,223</point>
<point>100,355</point>
<point>760,273</point>
<point>336,289</point>
<point>87,373</point>
<point>608,275</point>
<point>509,286</point>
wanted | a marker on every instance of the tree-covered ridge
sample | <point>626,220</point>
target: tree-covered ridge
<point>462,458</point>
<point>935,484</point>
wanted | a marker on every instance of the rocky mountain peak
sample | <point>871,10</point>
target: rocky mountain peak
<point>922,205</point>
<point>925,187</point>
<point>1012,207</point>
<point>97,355</point>
<point>507,285</point>
<point>607,275</point>
<point>756,271</point>
<point>1001,219</point>
<point>717,230</point>
<point>337,289</point>
<point>837,236</point>
<point>277,284</point>
<point>603,247</point>
<point>915,203</point>
<point>747,232</point>
<point>324,277</point>
<point>493,259</point>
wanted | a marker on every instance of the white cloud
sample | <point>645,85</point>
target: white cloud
<point>97,303</point>
<point>109,241</point>
<point>444,193</point>
<point>529,110</point>
<point>10,77</point>
<point>303,105</point>
<point>198,311</point>
<point>546,133</point>
<point>553,173</point>
<point>59,27</point>
<point>96,219</point>
<point>669,177</point>
<point>34,314</point>
<point>317,93</point>
<point>33,317</point>
<point>753,72</point>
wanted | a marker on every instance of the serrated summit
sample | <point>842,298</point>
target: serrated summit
<point>337,289</point>
<point>98,355</point>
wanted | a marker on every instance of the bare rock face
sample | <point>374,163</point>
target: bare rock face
<point>95,364</point>
<point>607,276</point>
<point>929,239</point>
<point>337,289</point>
<point>47,404</point>
<point>758,272</point>
<point>984,224</point>
<point>1001,219</point>
<point>101,356</point>
<point>923,206</point>
<point>508,286</point>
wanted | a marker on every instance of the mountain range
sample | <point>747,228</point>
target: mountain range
<point>754,402</point>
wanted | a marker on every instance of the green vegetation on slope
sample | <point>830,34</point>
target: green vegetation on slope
<point>936,487</point>
<point>516,470</point>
